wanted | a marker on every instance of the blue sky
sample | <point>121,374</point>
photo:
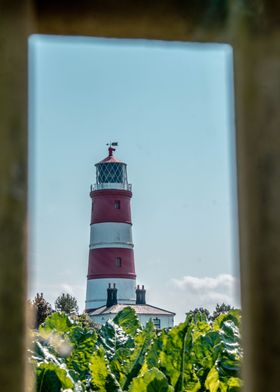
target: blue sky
<point>170,107</point>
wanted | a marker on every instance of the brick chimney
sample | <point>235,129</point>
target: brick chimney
<point>112,298</point>
<point>140,295</point>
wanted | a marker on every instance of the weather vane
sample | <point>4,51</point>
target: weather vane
<point>114,144</point>
<point>111,147</point>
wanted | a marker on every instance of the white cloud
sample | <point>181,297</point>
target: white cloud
<point>189,292</point>
<point>66,288</point>
<point>206,284</point>
<point>206,291</point>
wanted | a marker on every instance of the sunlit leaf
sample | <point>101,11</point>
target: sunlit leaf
<point>142,343</point>
<point>128,320</point>
<point>112,337</point>
<point>58,322</point>
<point>102,378</point>
<point>84,341</point>
<point>152,381</point>
<point>52,378</point>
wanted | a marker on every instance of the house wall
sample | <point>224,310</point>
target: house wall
<point>166,321</point>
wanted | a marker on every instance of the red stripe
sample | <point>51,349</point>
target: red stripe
<point>103,206</point>
<point>102,263</point>
<point>114,276</point>
<point>106,192</point>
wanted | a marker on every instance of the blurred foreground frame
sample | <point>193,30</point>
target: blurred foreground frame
<point>253,29</point>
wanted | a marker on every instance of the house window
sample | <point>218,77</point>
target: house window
<point>118,262</point>
<point>156,322</point>
<point>117,204</point>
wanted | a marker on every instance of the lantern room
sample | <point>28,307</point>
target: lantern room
<point>111,173</point>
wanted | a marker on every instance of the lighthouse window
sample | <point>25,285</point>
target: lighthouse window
<point>117,204</point>
<point>118,262</point>
<point>110,173</point>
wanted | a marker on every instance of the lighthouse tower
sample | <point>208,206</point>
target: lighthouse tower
<point>111,257</point>
<point>111,273</point>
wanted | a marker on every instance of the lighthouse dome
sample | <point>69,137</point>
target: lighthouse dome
<point>111,173</point>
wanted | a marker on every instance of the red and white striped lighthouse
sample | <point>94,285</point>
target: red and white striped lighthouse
<point>111,257</point>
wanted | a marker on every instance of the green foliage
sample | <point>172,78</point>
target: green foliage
<point>152,380</point>
<point>102,377</point>
<point>129,367</point>
<point>83,340</point>
<point>128,320</point>
<point>112,337</point>
<point>221,309</point>
<point>195,356</point>
<point>58,322</point>
<point>66,303</point>
<point>84,320</point>
<point>52,378</point>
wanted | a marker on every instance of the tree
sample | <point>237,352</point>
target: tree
<point>221,309</point>
<point>201,313</point>
<point>42,308</point>
<point>66,303</point>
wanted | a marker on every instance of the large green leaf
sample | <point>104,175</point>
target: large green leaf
<point>174,356</point>
<point>205,352</point>
<point>84,342</point>
<point>43,352</point>
<point>52,340</point>
<point>52,378</point>
<point>80,336</point>
<point>112,337</point>
<point>152,380</point>
<point>128,320</point>
<point>170,352</point>
<point>228,363</point>
<point>57,322</point>
<point>234,384</point>
<point>155,348</point>
<point>218,351</point>
<point>131,368</point>
<point>212,383</point>
<point>102,378</point>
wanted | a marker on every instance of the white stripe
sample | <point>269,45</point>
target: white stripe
<point>111,235</point>
<point>97,291</point>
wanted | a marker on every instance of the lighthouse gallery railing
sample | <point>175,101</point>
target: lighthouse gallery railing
<point>111,185</point>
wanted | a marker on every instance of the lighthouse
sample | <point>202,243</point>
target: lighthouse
<point>111,256</point>
<point>111,278</point>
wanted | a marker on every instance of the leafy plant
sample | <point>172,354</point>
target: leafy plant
<point>70,353</point>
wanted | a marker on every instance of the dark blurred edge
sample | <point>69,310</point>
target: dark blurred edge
<point>252,27</point>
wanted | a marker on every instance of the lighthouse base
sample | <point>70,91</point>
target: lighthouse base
<point>97,291</point>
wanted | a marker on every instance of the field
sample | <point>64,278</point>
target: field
<point>71,354</point>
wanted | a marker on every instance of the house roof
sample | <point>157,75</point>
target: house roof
<point>139,309</point>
